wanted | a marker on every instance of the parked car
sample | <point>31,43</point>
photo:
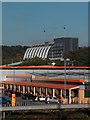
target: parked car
<point>36,99</point>
<point>41,98</point>
<point>18,94</point>
<point>4,101</point>
<point>10,92</point>
<point>30,97</point>
<point>51,99</point>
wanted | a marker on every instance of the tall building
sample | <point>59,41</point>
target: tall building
<point>68,43</point>
<point>53,50</point>
<point>62,45</point>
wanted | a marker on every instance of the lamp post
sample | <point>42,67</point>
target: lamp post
<point>65,77</point>
<point>14,72</point>
<point>65,60</point>
<point>44,34</point>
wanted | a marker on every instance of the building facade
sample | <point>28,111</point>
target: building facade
<point>53,50</point>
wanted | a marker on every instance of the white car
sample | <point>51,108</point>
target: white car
<point>51,99</point>
<point>36,99</point>
<point>42,98</point>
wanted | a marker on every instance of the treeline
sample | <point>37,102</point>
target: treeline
<point>11,54</point>
<point>36,61</point>
<point>80,56</point>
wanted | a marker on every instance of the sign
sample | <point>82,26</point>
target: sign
<point>13,99</point>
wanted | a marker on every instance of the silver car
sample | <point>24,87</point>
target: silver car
<point>51,99</point>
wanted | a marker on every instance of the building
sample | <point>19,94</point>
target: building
<point>53,50</point>
<point>38,51</point>
<point>48,80</point>
<point>67,43</point>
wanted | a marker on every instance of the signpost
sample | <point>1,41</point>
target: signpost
<point>13,99</point>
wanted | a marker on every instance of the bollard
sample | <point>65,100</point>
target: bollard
<point>3,115</point>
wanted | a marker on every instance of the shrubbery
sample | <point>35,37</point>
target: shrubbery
<point>15,53</point>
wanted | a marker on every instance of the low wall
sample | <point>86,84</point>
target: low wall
<point>83,100</point>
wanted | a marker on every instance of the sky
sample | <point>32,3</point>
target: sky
<point>24,23</point>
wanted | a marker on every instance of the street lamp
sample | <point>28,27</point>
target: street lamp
<point>65,60</point>
<point>14,72</point>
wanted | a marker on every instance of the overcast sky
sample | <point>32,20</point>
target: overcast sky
<point>24,23</point>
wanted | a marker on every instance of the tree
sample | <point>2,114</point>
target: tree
<point>80,56</point>
<point>36,61</point>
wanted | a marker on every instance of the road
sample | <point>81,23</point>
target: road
<point>22,104</point>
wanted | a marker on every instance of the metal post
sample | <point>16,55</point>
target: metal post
<point>62,59</point>
<point>53,92</point>
<point>28,88</point>
<point>34,90</point>
<point>46,91</point>
<point>19,88</point>
<point>7,86</point>
<point>44,34</point>
<point>52,53</point>
<point>40,91</point>
<point>14,73</point>
<point>24,89</point>
<point>14,87</point>
<point>65,78</point>
<point>10,87</point>
<point>69,96</point>
<point>61,92</point>
<point>3,115</point>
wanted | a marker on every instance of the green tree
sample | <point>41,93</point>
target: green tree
<point>36,61</point>
<point>80,56</point>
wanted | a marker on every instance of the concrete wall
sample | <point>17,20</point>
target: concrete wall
<point>80,101</point>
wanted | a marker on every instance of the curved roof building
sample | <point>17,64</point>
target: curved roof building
<point>41,52</point>
<point>52,50</point>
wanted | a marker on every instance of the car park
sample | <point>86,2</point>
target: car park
<point>30,97</point>
<point>18,94</point>
<point>51,99</point>
<point>9,93</point>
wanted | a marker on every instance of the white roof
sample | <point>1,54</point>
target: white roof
<point>41,52</point>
